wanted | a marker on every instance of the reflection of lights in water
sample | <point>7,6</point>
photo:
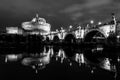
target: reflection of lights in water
<point>92,71</point>
<point>26,61</point>
<point>70,64</point>
<point>98,48</point>
<point>12,57</point>
<point>56,58</point>
<point>62,60</point>
<point>107,65</point>
<point>118,36</point>
<point>52,53</point>
<point>118,59</point>
<point>38,62</point>
<point>61,54</point>
<point>44,51</point>
<point>79,58</point>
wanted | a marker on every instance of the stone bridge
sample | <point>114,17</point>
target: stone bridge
<point>101,32</point>
<point>86,34</point>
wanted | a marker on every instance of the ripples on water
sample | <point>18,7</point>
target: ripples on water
<point>50,62</point>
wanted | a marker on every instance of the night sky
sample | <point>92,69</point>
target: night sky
<point>57,12</point>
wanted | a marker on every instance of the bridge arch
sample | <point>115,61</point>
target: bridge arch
<point>56,38</point>
<point>47,39</point>
<point>94,35</point>
<point>70,38</point>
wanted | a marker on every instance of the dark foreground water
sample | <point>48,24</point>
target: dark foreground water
<point>59,62</point>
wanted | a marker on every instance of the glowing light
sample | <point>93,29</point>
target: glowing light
<point>46,58</point>
<point>12,30</point>
<point>36,71</point>
<point>106,29</point>
<point>57,30</point>
<point>118,36</point>
<point>79,58</point>
<point>61,53</point>
<point>77,33</point>
<point>82,33</point>
<point>62,30</point>
<point>106,64</point>
<point>99,48</point>
<point>27,61</point>
<point>42,27</point>
<point>79,27</point>
<point>62,60</point>
<point>12,57</point>
<point>70,26</point>
<point>99,23</point>
<point>70,64</point>
<point>56,58</point>
<point>118,59</point>
<point>91,21</point>
<point>92,71</point>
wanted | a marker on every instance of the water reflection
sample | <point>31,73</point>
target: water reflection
<point>105,64</point>
<point>90,57</point>
<point>13,57</point>
<point>38,61</point>
<point>80,58</point>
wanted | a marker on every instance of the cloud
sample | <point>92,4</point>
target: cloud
<point>88,4</point>
<point>19,6</point>
<point>96,3</point>
<point>76,11</point>
<point>61,11</point>
<point>77,15</point>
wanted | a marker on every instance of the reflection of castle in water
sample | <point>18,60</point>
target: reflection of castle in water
<point>28,41</point>
<point>40,60</point>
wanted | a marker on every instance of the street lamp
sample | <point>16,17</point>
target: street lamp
<point>91,21</point>
<point>70,27</point>
<point>99,23</point>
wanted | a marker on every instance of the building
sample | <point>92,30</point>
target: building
<point>36,26</point>
<point>14,30</point>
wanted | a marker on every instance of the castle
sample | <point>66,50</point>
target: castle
<point>36,26</point>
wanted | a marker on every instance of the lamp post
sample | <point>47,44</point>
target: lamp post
<point>99,23</point>
<point>92,22</point>
<point>70,27</point>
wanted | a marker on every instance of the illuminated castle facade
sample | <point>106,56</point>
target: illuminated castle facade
<point>90,33</point>
<point>36,26</point>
